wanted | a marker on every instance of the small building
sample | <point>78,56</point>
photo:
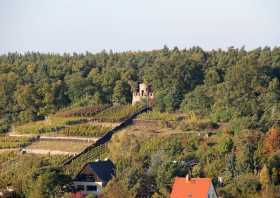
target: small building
<point>143,92</point>
<point>193,188</point>
<point>93,177</point>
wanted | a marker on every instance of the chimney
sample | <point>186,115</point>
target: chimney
<point>188,178</point>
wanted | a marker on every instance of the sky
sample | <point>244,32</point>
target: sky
<point>60,26</point>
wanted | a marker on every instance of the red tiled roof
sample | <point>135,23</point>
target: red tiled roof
<point>193,188</point>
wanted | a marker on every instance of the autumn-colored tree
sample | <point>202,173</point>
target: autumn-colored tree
<point>272,140</point>
<point>264,177</point>
<point>123,143</point>
<point>116,189</point>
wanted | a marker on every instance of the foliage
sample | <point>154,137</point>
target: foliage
<point>244,186</point>
<point>234,85</point>
<point>226,83</point>
<point>49,183</point>
<point>197,101</point>
<point>4,126</point>
<point>19,170</point>
<point>272,140</point>
<point>123,143</point>
<point>264,177</point>
<point>121,93</point>
<point>116,189</point>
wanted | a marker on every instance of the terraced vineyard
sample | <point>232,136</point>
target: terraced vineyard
<point>4,157</point>
<point>52,124</point>
<point>99,152</point>
<point>117,113</point>
<point>72,121</point>
<point>85,130</point>
<point>87,111</point>
<point>13,142</point>
<point>155,115</point>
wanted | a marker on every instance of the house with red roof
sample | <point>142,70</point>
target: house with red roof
<point>186,187</point>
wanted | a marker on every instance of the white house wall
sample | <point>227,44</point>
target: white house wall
<point>85,184</point>
<point>212,192</point>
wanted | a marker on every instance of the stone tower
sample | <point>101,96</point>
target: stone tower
<point>143,93</point>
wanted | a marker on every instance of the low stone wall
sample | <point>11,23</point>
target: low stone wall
<point>69,138</point>
<point>48,152</point>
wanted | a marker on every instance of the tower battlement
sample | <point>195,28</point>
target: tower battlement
<point>143,92</point>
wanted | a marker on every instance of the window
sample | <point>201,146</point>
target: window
<point>91,188</point>
<point>142,92</point>
<point>80,188</point>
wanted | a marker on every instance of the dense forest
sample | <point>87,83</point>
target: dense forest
<point>236,89</point>
<point>236,85</point>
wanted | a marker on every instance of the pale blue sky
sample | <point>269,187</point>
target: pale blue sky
<point>121,25</point>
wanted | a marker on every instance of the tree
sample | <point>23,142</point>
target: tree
<point>77,87</point>
<point>123,143</point>
<point>226,145</point>
<point>116,189</point>
<point>231,164</point>
<point>264,177</point>
<point>272,140</point>
<point>197,171</point>
<point>247,158</point>
<point>212,77</point>
<point>121,93</point>
<point>49,184</point>
<point>197,101</point>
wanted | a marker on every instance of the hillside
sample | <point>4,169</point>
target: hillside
<point>216,115</point>
<point>154,148</point>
